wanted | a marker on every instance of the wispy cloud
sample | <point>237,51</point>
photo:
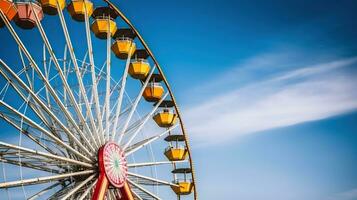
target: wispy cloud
<point>348,195</point>
<point>305,94</point>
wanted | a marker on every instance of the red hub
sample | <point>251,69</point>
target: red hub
<point>113,171</point>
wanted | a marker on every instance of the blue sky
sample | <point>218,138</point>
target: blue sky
<point>268,93</point>
<point>267,90</point>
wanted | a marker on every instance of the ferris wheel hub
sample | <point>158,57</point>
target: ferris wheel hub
<point>113,163</point>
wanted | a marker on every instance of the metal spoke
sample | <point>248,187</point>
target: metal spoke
<point>79,186</point>
<point>44,191</point>
<point>26,132</point>
<point>41,180</point>
<point>149,164</point>
<point>147,141</point>
<point>38,154</point>
<point>136,195</point>
<point>65,83</point>
<point>137,186</point>
<point>107,91</point>
<point>38,127</point>
<point>79,78</point>
<point>149,180</point>
<point>34,65</point>
<point>46,108</point>
<point>121,94</point>
<point>30,165</point>
<point>144,121</point>
<point>88,190</point>
<point>136,102</point>
<point>93,74</point>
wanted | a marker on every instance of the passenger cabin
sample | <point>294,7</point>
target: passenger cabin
<point>154,90</point>
<point>26,17</point>
<point>78,9</point>
<point>184,185</point>
<point>9,9</point>
<point>176,151</point>
<point>50,6</point>
<point>124,45</point>
<point>165,117</point>
<point>104,22</point>
<point>139,67</point>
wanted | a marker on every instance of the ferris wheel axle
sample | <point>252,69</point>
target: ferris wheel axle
<point>112,172</point>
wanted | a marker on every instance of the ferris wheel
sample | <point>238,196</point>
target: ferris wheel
<point>86,110</point>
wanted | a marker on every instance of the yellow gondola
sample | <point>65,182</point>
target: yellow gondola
<point>104,22</point>
<point>185,185</point>
<point>185,188</point>
<point>153,92</point>
<point>176,153</point>
<point>165,118</point>
<point>124,45</point>
<point>78,8</point>
<point>139,69</point>
<point>50,6</point>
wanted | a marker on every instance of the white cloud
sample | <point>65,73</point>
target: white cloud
<point>309,93</point>
<point>348,195</point>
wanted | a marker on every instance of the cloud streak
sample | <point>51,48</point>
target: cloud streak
<point>305,94</point>
<point>348,195</point>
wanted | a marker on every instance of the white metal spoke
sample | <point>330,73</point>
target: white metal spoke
<point>93,74</point>
<point>79,186</point>
<point>149,164</point>
<point>147,141</point>
<point>147,192</point>
<point>121,94</point>
<point>79,78</point>
<point>88,190</point>
<point>34,65</point>
<point>40,180</point>
<point>37,111</point>
<point>27,133</point>
<point>44,191</point>
<point>38,127</point>
<point>47,109</point>
<point>136,195</point>
<point>136,102</point>
<point>149,180</point>
<point>38,154</point>
<point>30,165</point>
<point>144,122</point>
<point>107,91</point>
<point>64,81</point>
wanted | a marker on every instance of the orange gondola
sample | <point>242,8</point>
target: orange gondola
<point>27,10</point>
<point>9,9</point>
